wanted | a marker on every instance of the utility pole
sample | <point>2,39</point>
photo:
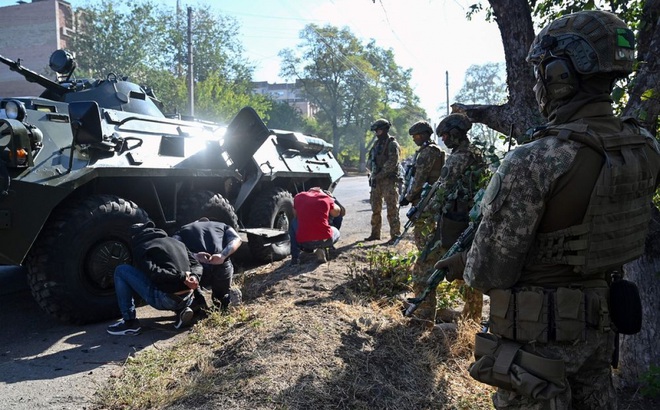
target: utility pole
<point>447,85</point>
<point>191,81</point>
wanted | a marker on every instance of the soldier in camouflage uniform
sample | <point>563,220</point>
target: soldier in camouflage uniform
<point>427,163</point>
<point>460,179</point>
<point>561,216</point>
<point>384,178</point>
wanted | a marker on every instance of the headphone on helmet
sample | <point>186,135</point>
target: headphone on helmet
<point>559,78</point>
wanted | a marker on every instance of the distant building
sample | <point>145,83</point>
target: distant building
<point>31,32</point>
<point>290,93</point>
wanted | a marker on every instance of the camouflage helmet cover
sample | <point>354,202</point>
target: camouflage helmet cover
<point>453,129</point>
<point>594,41</point>
<point>421,127</point>
<point>454,121</point>
<point>380,123</point>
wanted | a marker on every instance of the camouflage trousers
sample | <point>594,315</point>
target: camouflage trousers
<point>420,274</point>
<point>587,370</point>
<point>423,230</point>
<point>472,298</point>
<point>388,191</point>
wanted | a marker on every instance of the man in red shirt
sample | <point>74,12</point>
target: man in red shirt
<point>310,229</point>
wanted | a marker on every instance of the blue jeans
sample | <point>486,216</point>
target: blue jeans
<point>295,246</point>
<point>129,280</point>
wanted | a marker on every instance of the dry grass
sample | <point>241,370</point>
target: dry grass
<point>305,340</point>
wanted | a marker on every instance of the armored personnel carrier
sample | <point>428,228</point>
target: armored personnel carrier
<point>86,159</point>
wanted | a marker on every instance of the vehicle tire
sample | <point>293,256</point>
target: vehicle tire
<point>71,266</point>
<point>206,203</point>
<point>271,209</point>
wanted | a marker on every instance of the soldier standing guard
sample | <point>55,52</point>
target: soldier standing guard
<point>427,163</point>
<point>561,216</point>
<point>383,166</point>
<point>460,179</point>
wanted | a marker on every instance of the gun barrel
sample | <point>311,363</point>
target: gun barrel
<point>33,77</point>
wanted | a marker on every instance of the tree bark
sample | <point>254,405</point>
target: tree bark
<point>520,113</point>
<point>638,352</point>
<point>644,104</point>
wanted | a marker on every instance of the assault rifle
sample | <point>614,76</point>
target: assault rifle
<point>407,181</point>
<point>463,243</point>
<point>415,212</point>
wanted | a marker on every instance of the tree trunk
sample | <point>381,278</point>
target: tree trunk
<point>638,352</point>
<point>362,164</point>
<point>644,104</point>
<point>520,113</point>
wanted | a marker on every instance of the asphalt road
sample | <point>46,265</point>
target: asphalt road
<point>45,364</point>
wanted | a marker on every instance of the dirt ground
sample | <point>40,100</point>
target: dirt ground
<point>318,336</point>
<point>312,342</point>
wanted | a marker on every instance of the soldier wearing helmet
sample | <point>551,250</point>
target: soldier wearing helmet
<point>384,178</point>
<point>460,178</point>
<point>427,162</point>
<point>561,216</point>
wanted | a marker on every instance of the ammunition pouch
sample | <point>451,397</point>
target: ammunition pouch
<point>535,314</point>
<point>502,363</point>
<point>626,307</point>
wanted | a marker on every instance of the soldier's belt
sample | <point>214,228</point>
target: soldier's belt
<point>543,315</point>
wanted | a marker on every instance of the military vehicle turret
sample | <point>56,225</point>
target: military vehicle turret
<point>86,159</point>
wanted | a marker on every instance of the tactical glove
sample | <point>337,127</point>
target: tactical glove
<point>455,265</point>
<point>404,202</point>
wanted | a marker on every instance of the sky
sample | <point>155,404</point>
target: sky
<point>433,38</point>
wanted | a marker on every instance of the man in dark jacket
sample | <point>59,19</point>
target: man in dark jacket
<point>212,243</point>
<point>164,273</point>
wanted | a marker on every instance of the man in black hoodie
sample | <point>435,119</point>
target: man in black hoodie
<point>164,273</point>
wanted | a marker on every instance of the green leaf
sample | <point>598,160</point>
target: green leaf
<point>618,93</point>
<point>648,94</point>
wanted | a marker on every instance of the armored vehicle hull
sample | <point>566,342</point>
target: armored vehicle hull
<point>81,163</point>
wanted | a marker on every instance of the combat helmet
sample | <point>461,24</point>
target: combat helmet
<point>421,127</point>
<point>455,127</point>
<point>594,41</point>
<point>381,123</point>
<point>576,46</point>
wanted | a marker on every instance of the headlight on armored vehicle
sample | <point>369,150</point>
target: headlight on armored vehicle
<point>15,147</point>
<point>15,110</point>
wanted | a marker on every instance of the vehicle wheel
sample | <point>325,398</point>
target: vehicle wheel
<point>206,203</point>
<point>271,209</point>
<point>71,266</point>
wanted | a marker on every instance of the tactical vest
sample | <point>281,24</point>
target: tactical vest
<point>616,222</point>
<point>459,200</point>
<point>434,174</point>
<point>381,156</point>
<point>437,165</point>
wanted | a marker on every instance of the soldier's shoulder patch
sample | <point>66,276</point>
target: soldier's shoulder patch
<point>493,188</point>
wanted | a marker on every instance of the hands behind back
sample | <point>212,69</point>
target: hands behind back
<point>191,281</point>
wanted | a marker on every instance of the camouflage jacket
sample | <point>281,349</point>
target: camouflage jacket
<point>428,162</point>
<point>521,202</point>
<point>460,176</point>
<point>383,159</point>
